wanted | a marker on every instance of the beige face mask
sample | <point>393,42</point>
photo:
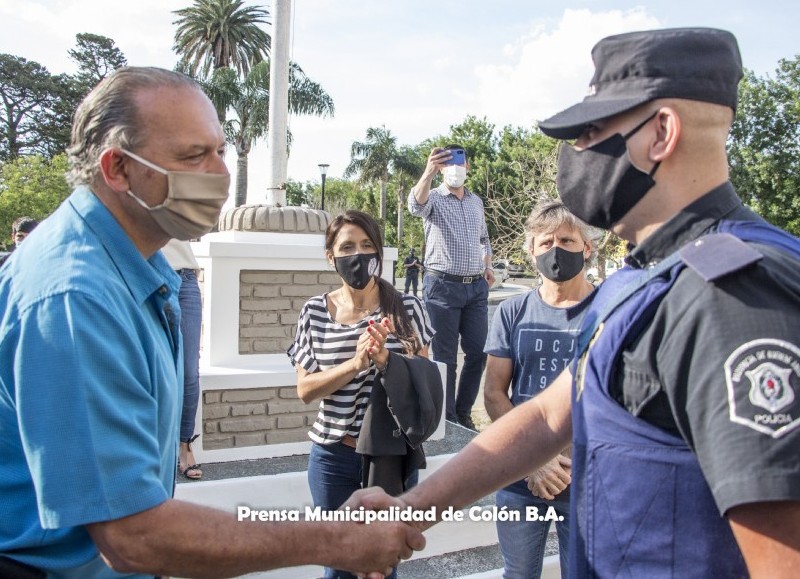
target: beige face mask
<point>193,203</point>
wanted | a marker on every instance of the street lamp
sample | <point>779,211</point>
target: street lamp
<point>323,170</point>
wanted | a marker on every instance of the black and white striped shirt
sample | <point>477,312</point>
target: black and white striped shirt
<point>322,343</point>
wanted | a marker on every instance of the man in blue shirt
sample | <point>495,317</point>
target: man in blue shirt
<point>91,361</point>
<point>458,274</point>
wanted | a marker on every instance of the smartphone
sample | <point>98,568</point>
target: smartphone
<point>459,157</point>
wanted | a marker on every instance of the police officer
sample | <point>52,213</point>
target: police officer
<point>686,397</point>
<point>412,265</point>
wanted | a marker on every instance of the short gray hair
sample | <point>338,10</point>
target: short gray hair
<point>549,215</point>
<point>108,117</point>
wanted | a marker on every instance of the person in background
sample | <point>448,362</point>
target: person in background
<point>341,349</point>
<point>180,257</point>
<point>20,229</point>
<point>458,274</point>
<point>532,338</point>
<point>412,265</point>
<point>683,403</point>
<point>91,362</point>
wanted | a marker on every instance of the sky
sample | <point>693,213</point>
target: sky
<point>416,67</point>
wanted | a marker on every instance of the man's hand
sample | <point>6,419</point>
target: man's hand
<point>436,159</point>
<point>436,163</point>
<point>488,275</point>
<point>551,479</point>
<point>376,499</point>
<point>372,550</point>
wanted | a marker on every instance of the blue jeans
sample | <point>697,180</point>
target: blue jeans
<point>458,308</point>
<point>522,543</point>
<point>334,473</point>
<point>191,318</point>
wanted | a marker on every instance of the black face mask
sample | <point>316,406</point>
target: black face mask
<point>356,270</point>
<point>600,184</point>
<point>557,264</point>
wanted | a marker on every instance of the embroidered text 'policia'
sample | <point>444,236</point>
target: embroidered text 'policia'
<point>763,380</point>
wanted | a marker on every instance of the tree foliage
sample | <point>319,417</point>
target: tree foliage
<point>215,34</point>
<point>408,165</point>
<point>248,98</point>
<point>222,44</point>
<point>29,114</point>
<point>521,174</point>
<point>31,185</point>
<point>96,56</point>
<point>371,160</point>
<point>37,106</point>
<point>764,148</point>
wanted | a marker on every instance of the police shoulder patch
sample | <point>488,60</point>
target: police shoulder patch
<point>763,381</point>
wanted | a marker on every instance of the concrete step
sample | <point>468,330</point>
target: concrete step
<point>454,549</point>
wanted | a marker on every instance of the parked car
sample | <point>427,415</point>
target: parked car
<point>500,271</point>
<point>516,270</point>
<point>593,273</point>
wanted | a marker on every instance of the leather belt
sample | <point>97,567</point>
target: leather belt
<point>456,278</point>
<point>348,440</point>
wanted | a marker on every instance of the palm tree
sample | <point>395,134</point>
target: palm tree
<point>408,166</point>
<point>214,34</point>
<point>372,159</point>
<point>249,99</point>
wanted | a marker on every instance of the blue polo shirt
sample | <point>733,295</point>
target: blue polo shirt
<point>90,386</point>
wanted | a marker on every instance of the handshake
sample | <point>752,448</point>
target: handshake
<point>380,542</point>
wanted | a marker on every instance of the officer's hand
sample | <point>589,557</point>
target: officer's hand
<point>373,499</point>
<point>551,479</point>
<point>372,550</point>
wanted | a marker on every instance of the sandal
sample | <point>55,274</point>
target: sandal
<point>191,472</point>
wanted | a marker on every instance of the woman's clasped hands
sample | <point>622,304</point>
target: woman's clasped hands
<point>372,345</point>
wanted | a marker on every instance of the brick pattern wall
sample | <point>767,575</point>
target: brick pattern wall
<point>255,416</point>
<point>270,303</point>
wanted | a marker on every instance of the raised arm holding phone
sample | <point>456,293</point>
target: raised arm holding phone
<point>458,273</point>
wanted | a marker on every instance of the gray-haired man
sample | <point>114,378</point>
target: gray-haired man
<point>91,362</point>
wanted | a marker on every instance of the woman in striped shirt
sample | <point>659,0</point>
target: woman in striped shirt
<point>340,349</point>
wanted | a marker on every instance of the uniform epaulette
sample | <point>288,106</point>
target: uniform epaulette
<point>718,254</point>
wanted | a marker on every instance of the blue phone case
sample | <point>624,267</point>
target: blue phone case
<point>459,158</point>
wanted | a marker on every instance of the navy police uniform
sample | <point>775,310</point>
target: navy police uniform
<point>690,385</point>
